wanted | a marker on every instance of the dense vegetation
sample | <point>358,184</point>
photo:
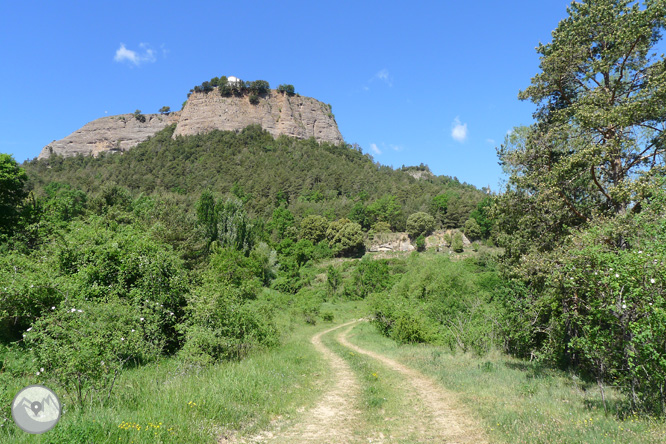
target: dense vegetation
<point>265,173</point>
<point>582,218</point>
<point>191,257</point>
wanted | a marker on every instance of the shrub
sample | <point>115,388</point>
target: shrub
<point>138,116</point>
<point>314,228</point>
<point>254,99</point>
<point>347,238</point>
<point>259,87</point>
<point>83,347</point>
<point>457,242</point>
<point>381,227</point>
<point>472,229</point>
<point>420,224</point>
<point>225,90</point>
<point>370,276</point>
<point>439,301</point>
<point>222,325</point>
<point>420,243</point>
<point>333,280</point>
<point>286,89</point>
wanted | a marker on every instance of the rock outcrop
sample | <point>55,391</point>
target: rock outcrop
<point>277,113</point>
<point>400,241</point>
<point>114,133</point>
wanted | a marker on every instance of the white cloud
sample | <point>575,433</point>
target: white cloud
<point>396,147</point>
<point>491,141</point>
<point>136,58</point>
<point>459,130</point>
<point>373,147</point>
<point>384,76</point>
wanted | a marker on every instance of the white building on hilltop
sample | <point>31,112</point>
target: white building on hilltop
<point>233,80</point>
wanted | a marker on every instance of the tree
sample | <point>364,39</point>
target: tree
<point>386,209</point>
<point>165,110</point>
<point>281,220</point>
<point>600,95</point>
<point>482,216</point>
<point>260,87</point>
<point>359,214</point>
<point>472,229</point>
<point>457,243</point>
<point>571,220</point>
<point>348,240</point>
<point>314,228</point>
<point>286,89</point>
<point>12,193</point>
<point>420,224</point>
<point>207,214</point>
<point>138,116</point>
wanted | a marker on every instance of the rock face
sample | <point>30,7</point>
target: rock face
<point>277,113</point>
<point>390,242</point>
<point>114,133</point>
<point>400,241</point>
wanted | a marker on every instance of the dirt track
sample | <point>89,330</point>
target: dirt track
<point>431,414</point>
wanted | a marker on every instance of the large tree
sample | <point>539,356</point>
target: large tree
<point>580,214</point>
<point>12,193</point>
<point>600,96</point>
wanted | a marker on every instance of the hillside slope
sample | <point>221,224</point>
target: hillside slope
<point>313,178</point>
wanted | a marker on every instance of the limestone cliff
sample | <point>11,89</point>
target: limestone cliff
<point>114,133</point>
<point>278,113</point>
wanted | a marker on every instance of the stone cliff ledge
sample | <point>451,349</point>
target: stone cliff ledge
<point>278,113</point>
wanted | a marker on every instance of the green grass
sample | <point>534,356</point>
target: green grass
<point>518,401</point>
<point>170,402</point>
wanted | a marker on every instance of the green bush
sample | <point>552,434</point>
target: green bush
<point>457,242</point>
<point>83,346</point>
<point>138,116</point>
<point>439,301</point>
<point>314,228</point>
<point>222,324</point>
<point>420,243</point>
<point>420,224</point>
<point>286,89</point>
<point>260,87</point>
<point>254,99</point>
<point>472,229</point>
<point>345,238</point>
<point>333,280</point>
<point>370,276</point>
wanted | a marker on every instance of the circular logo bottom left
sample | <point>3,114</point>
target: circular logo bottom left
<point>36,409</point>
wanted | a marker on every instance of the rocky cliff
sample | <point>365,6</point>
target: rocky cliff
<point>114,133</point>
<point>277,113</point>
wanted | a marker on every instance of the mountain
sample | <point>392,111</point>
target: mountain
<point>277,112</point>
<point>310,177</point>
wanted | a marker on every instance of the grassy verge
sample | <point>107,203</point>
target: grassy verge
<point>517,401</point>
<point>169,402</point>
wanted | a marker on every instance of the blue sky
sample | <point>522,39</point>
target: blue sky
<point>410,82</point>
